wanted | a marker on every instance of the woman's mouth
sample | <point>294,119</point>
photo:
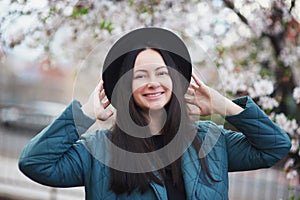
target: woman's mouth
<point>153,95</point>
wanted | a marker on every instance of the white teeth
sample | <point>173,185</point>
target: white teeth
<point>153,95</point>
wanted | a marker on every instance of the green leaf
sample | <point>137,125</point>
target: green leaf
<point>268,110</point>
<point>265,72</point>
<point>253,55</point>
<point>292,197</point>
<point>131,2</point>
<point>288,73</point>
<point>244,62</point>
<point>220,49</point>
<point>109,27</point>
<point>51,12</point>
<point>77,12</point>
<point>104,25</point>
<point>290,187</point>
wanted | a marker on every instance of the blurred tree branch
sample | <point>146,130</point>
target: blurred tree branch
<point>293,2</point>
<point>285,82</point>
<point>229,4</point>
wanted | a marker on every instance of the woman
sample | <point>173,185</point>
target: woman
<point>153,151</point>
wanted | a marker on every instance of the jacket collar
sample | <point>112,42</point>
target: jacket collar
<point>190,170</point>
<point>160,191</point>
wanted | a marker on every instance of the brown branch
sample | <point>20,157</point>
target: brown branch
<point>229,4</point>
<point>293,2</point>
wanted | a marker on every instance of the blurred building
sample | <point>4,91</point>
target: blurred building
<point>21,82</point>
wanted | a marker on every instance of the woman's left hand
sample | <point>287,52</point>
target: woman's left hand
<point>209,101</point>
<point>97,107</point>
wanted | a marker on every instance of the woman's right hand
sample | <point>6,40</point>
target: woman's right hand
<point>96,107</point>
<point>209,101</point>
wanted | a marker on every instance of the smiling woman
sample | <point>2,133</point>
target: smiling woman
<point>154,150</point>
<point>151,85</point>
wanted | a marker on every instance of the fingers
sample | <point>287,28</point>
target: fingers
<point>101,83</point>
<point>197,80</point>
<point>99,87</point>
<point>193,86</point>
<point>190,91</point>
<point>98,103</point>
<point>102,95</point>
<point>109,114</point>
<point>194,111</point>
<point>106,104</point>
<point>100,90</point>
<point>105,116</point>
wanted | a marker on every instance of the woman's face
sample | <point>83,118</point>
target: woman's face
<point>151,84</point>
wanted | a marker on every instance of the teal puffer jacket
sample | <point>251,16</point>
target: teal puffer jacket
<point>60,156</point>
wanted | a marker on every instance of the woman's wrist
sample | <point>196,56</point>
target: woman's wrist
<point>231,108</point>
<point>88,111</point>
<point>226,107</point>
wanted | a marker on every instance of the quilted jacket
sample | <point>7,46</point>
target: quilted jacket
<point>61,155</point>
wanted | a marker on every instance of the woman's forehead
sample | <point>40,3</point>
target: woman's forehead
<point>149,56</point>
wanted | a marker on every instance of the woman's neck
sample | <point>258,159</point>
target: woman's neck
<point>156,120</point>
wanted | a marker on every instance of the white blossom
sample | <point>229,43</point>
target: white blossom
<point>229,64</point>
<point>298,131</point>
<point>287,125</point>
<point>261,88</point>
<point>233,80</point>
<point>267,102</point>
<point>288,55</point>
<point>281,119</point>
<point>291,174</point>
<point>295,145</point>
<point>296,94</point>
<point>263,56</point>
<point>17,37</point>
<point>289,163</point>
<point>293,124</point>
<point>67,11</point>
<point>277,28</point>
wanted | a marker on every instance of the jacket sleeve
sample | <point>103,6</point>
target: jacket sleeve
<point>55,157</point>
<point>261,142</point>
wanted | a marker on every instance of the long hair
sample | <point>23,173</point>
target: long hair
<point>125,182</point>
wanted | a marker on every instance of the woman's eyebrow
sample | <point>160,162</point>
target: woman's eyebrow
<point>140,70</point>
<point>158,68</point>
<point>144,70</point>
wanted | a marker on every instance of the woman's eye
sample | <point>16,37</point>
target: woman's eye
<point>163,73</point>
<point>139,76</point>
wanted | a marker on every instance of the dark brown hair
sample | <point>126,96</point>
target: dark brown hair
<point>125,182</point>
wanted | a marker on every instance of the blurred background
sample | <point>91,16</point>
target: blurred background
<point>52,51</point>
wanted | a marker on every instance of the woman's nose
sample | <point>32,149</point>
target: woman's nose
<point>153,81</point>
<point>153,84</point>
